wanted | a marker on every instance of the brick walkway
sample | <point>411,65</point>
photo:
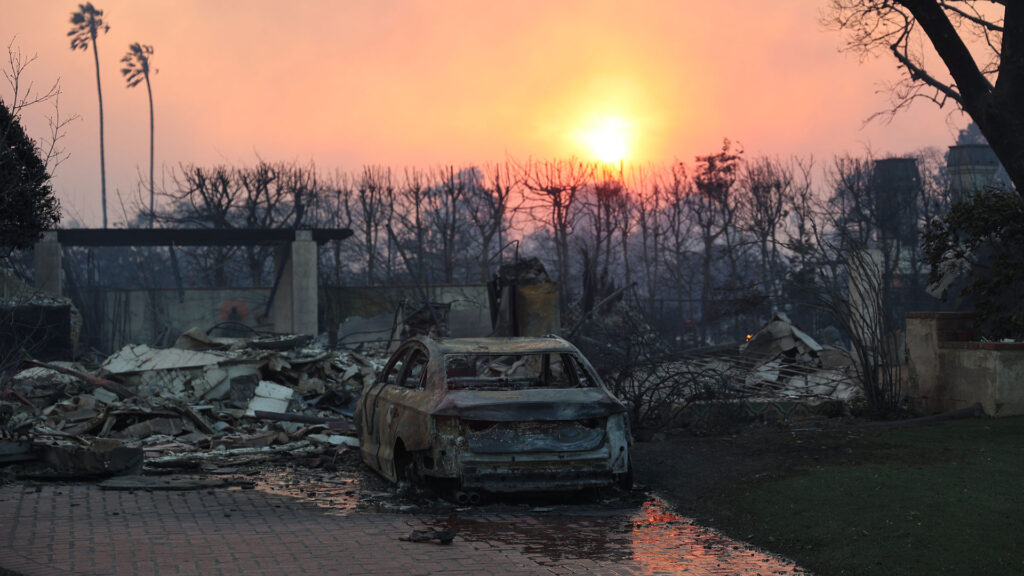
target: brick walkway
<point>52,529</point>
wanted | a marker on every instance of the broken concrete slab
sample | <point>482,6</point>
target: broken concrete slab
<point>150,427</point>
<point>269,397</point>
<point>102,457</point>
<point>334,440</point>
<point>141,358</point>
<point>16,451</point>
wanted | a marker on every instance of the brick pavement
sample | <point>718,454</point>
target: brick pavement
<point>50,529</point>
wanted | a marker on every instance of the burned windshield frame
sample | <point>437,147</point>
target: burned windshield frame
<point>463,371</point>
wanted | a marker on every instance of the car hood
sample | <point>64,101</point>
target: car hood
<point>520,405</point>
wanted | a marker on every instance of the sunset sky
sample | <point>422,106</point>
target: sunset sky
<point>420,83</point>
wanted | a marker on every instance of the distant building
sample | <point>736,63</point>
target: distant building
<point>973,165</point>
<point>974,168</point>
<point>896,184</point>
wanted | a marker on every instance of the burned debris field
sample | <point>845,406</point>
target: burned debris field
<point>512,288</point>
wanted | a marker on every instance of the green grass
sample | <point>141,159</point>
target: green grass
<point>941,499</point>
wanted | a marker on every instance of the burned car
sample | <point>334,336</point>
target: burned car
<point>495,415</point>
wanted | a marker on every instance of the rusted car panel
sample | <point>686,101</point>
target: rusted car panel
<point>496,414</point>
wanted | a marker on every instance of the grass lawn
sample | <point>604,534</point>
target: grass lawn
<point>946,498</point>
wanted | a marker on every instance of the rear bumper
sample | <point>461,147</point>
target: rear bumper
<point>537,471</point>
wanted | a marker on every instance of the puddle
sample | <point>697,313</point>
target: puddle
<point>343,495</point>
<point>642,533</point>
<point>652,538</point>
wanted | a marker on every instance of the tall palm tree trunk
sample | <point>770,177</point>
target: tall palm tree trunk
<point>103,161</point>
<point>149,92</point>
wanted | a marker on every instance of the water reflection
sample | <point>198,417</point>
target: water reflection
<point>340,495</point>
<point>647,538</point>
<point>665,543</point>
<point>651,538</point>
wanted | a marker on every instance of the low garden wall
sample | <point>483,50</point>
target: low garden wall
<point>951,368</point>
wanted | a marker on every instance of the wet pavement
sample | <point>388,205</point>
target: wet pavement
<point>290,523</point>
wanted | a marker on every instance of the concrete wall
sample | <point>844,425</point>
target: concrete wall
<point>156,317</point>
<point>367,313</point>
<point>948,370</point>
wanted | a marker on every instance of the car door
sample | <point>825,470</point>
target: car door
<point>401,408</point>
<point>371,402</point>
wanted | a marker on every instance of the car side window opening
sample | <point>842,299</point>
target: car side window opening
<point>580,375</point>
<point>416,367</point>
<point>393,371</point>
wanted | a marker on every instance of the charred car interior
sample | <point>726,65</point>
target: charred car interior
<point>493,415</point>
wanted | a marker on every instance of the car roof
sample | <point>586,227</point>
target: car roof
<point>510,345</point>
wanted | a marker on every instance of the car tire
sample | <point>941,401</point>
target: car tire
<point>624,481</point>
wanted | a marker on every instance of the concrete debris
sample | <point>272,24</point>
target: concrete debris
<point>134,359</point>
<point>778,363</point>
<point>15,451</point>
<point>211,399</point>
<point>335,440</point>
<point>101,457</point>
<point>780,336</point>
<point>269,397</point>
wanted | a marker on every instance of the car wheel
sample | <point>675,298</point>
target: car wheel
<point>624,481</point>
<point>406,467</point>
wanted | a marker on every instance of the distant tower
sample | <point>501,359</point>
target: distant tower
<point>974,168</point>
<point>896,183</point>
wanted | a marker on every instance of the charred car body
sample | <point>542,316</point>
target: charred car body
<point>494,414</point>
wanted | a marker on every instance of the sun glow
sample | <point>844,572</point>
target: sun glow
<point>608,139</point>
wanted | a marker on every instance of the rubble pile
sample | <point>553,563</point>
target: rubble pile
<point>784,362</point>
<point>779,364</point>
<point>205,399</point>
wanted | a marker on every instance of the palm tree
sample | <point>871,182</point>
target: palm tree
<point>86,24</point>
<point>135,70</point>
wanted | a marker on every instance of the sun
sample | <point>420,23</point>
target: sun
<point>608,139</point>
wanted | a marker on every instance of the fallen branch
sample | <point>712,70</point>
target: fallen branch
<point>94,381</point>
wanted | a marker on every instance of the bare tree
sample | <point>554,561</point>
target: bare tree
<point>649,200</point>
<point>86,24</point>
<point>713,210</point>
<point>334,210</point>
<point>980,45</point>
<point>488,201</point>
<point>849,274</point>
<point>552,188</point>
<point>27,203</point>
<point>765,186</point>
<point>205,198</point>
<point>680,238</point>
<point>853,198</point>
<point>445,205</point>
<point>260,191</point>
<point>410,204</point>
<point>374,210</point>
<point>604,209</point>
<point>24,95</point>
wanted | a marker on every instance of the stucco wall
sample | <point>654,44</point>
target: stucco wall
<point>949,371</point>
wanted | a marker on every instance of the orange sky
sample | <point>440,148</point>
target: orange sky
<point>418,83</point>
